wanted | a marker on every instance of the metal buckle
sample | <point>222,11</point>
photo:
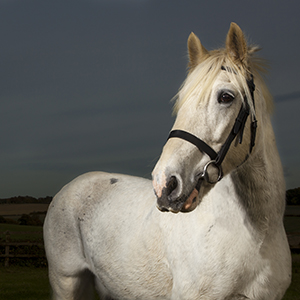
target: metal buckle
<point>205,174</point>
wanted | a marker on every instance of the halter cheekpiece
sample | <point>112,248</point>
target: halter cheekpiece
<point>238,128</point>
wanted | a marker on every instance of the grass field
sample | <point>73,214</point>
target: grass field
<point>18,283</point>
<point>19,209</point>
<point>32,234</point>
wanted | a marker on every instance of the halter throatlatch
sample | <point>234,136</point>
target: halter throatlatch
<point>238,128</point>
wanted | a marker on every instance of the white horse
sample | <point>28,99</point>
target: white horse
<point>225,238</point>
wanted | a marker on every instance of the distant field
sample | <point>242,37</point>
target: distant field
<point>22,232</point>
<point>19,209</point>
<point>292,210</point>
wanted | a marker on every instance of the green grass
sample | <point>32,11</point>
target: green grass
<point>293,292</point>
<point>18,283</point>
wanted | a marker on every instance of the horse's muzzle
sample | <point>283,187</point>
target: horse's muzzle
<point>173,199</point>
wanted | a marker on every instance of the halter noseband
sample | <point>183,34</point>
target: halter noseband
<point>238,128</point>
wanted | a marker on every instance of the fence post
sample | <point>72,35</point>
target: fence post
<point>7,239</point>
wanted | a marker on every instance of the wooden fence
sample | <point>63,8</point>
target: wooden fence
<point>8,243</point>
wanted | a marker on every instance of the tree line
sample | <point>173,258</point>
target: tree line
<point>32,219</point>
<point>26,199</point>
<point>293,196</point>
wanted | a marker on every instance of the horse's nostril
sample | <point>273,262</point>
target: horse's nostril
<point>172,185</point>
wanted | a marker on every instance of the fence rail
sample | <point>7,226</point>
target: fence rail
<point>8,243</point>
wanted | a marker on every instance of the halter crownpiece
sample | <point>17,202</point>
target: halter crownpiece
<point>238,128</point>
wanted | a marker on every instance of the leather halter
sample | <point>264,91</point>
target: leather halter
<point>238,128</point>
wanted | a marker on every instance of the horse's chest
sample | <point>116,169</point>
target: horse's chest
<point>218,259</point>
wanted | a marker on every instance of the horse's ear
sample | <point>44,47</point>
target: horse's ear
<point>197,53</point>
<point>236,44</point>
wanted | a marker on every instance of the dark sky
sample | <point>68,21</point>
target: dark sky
<point>86,85</point>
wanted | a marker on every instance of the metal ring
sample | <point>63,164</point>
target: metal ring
<point>205,174</point>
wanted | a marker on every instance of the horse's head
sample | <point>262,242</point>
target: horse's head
<point>212,97</point>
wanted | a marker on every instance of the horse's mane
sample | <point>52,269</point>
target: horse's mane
<point>200,79</point>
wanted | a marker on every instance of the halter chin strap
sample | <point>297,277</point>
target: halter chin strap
<point>238,128</point>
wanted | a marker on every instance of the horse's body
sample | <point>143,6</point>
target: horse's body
<point>106,230</point>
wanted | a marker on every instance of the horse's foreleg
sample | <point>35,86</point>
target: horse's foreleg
<point>78,287</point>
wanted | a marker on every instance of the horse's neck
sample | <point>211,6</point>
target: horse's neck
<point>259,183</point>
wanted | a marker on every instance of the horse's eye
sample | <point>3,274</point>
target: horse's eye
<point>225,98</point>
